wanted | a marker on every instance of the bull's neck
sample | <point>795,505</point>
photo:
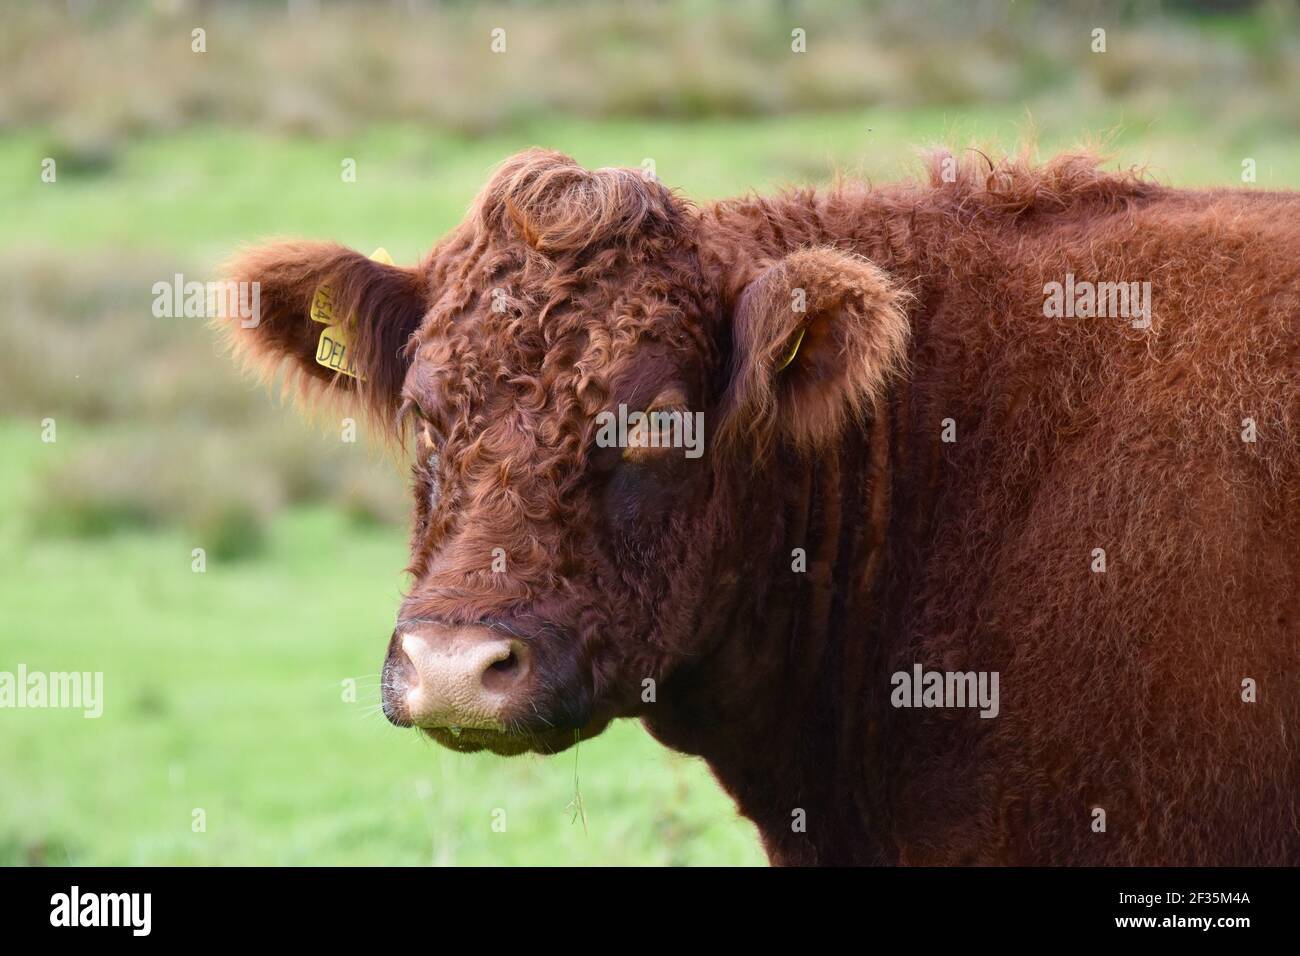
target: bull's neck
<point>785,704</point>
<point>789,708</point>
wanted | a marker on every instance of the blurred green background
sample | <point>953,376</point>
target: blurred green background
<point>225,690</point>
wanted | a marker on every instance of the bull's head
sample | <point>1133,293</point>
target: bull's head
<point>567,547</point>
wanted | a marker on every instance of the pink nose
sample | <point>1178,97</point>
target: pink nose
<point>455,677</point>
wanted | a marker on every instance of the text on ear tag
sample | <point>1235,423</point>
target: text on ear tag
<point>334,351</point>
<point>322,306</point>
<point>334,348</point>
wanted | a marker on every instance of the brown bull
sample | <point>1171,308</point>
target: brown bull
<point>954,522</point>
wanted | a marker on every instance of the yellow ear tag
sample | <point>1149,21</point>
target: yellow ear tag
<point>333,348</point>
<point>322,306</point>
<point>333,351</point>
<point>794,349</point>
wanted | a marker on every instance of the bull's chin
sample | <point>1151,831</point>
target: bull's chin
<point>511,743</point>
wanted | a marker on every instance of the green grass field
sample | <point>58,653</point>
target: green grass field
<point>225,690</point>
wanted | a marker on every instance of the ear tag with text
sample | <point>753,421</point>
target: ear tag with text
<point>322,306</point>
<point>333,350</point>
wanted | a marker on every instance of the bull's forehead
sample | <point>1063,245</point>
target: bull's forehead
<point>512,402</point>
<point>550,342</point>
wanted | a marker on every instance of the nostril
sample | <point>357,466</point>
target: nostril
<point>401,671</point>
<point>506,670</point>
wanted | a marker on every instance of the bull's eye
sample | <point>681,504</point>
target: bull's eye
<point>424,425</point>
<point>662,430</point>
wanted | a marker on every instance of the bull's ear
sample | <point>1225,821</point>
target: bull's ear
<point>816,336</point>
<point>341,321</point>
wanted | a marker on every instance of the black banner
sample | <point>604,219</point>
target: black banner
<point>336,905</point>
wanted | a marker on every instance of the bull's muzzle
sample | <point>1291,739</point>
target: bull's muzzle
<point>453,677</point>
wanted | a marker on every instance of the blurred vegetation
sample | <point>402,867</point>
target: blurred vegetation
<point>106,71</point>
<point>159,425</point>
<point>224,685</point>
